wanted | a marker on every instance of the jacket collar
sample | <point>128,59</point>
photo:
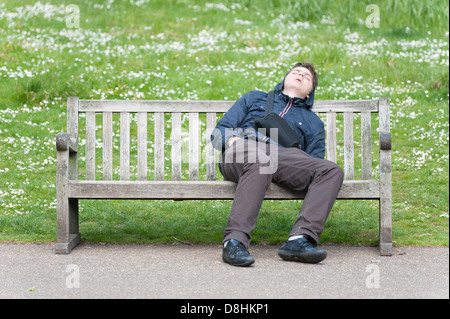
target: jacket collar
<point>305,103</point>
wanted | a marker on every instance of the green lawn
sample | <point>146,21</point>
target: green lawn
<point>199,50</point>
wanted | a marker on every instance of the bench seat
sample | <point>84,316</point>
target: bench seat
<point>204,190</point>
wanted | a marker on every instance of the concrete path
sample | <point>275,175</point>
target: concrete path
<point>197,271</point>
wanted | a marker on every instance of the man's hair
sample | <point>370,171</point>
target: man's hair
<point>311,69</point>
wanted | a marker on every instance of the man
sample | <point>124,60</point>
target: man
<point>246,155</point>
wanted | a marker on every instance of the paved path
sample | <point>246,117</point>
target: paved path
<point>197,271</point>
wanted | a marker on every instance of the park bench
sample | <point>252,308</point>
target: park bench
<point>178,133</point>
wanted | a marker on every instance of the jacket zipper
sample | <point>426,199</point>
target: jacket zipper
<point>288,106</point>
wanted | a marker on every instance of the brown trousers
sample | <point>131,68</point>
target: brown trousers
<point>253,166</point>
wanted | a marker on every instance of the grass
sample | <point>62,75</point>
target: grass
<point>192,49</point>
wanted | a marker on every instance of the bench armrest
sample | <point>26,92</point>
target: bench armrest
<point>385,141</point>
<point>64,142</point>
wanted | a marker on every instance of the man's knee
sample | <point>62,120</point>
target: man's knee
<point>336,170</point>
<point>331,169</point>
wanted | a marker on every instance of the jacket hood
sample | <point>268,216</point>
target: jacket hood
<point>307,103</point>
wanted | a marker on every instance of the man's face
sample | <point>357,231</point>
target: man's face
<point>299,81</point>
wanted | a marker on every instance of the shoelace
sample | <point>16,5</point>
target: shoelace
<point>236,250</point>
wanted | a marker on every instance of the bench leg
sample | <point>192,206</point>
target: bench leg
<point>66,248</point>
<point>68,234</point>
<point>385,179</point>
<point>385,249</point>
<point>386,223</point>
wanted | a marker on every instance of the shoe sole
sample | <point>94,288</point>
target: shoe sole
<point>305,257</point>
<point>242,264</point>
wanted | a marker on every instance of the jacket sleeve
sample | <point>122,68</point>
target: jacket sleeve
<point>316,144</point>
<point>228,125</point>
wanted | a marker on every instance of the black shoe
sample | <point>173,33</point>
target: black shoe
<point>301,250</point>
<point>236,254</point>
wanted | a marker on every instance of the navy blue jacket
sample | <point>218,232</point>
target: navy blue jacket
<point>238,121</point>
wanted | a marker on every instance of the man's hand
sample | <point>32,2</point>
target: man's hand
<point>232,139</point>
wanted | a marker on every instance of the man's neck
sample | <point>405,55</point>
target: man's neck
<point>293,94</point>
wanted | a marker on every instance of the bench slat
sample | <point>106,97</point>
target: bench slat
<point>142,145</point>
<point>200,190</point>
<point>331,137</point>
<point>210,151</point>
<point>343,106</point>
<point>73,107</point>
<point>117,106</point>
<point>124,146</point>
<point>159,146</point>
<point>107,146</point>
<point>366,149</point>
<point>90,146</point>
<point>176,146</point>
<point>193,146</point>
<point>349,163</point>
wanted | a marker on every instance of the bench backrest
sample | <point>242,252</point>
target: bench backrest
<point>139,137</point>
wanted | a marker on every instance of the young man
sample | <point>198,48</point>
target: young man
<point>246,154</point>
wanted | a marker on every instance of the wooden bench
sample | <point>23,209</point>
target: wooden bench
<point>163,125</point>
